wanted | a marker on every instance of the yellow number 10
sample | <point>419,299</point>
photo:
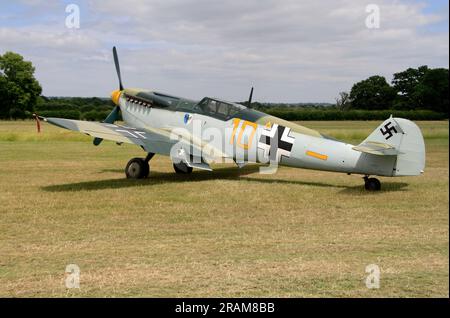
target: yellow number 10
<point>245,123</point>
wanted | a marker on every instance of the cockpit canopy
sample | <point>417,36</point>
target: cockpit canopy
<point>218,108</point>
<point>208,106</point>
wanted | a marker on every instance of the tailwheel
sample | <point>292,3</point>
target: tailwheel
<point>182,168</point>
<point>372,184</point>
<point>137,168</point>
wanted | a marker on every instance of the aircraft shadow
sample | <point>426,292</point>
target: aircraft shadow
<point>228,173</point>
<point>385,187</point>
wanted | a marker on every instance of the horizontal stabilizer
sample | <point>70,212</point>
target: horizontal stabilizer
<point>377,148</point>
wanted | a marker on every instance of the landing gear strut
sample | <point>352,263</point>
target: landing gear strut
<point>182,168</point>
<point>138,168</point>
<point>372,184</point>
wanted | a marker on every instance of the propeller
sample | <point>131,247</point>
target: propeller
<point>114,115</point>
<point>249,103</point>
<point>116,63</point>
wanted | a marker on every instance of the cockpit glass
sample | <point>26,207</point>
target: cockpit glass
<point>219,109</point>
<point>211,107</point>
<point>223,109</point>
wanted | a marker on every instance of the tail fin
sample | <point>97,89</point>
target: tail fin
<point>401,138</point>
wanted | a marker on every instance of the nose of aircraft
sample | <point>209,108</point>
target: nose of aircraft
<point>115,95</point>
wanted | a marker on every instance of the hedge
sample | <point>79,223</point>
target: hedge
<point>332,114</point>
<point>287,114</point>
<point>64,113</point>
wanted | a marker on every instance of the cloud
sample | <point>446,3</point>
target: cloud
<point>290,50</point>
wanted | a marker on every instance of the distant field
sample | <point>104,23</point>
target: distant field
<point>231,232</point>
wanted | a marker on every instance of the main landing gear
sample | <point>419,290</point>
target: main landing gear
<point>372,184</point>
<point>138,168</point>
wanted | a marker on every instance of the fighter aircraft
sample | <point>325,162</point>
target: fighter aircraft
<point>196,133</point>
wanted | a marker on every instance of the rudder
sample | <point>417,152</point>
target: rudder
<point>399,138</point>
<point>411,160</point>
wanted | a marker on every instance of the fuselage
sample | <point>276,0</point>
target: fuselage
<point>243,134</point>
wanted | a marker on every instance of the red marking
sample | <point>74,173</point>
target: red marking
<point>38,123</point>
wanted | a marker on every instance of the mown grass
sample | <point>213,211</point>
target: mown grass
<point>231,232</point>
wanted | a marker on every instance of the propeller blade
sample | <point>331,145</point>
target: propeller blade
<point>249,104</point>
<point>114,114</point>
<point>110,119</point>
<point>116,62</point>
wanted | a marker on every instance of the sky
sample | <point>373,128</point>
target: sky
<point>289,50</point>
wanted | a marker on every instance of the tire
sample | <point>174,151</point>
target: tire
<point>182,168</point>
<point>373,184</point>
<point>137,168</point>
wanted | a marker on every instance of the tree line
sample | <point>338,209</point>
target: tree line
<point>420,93</point>
<point>422,88</point>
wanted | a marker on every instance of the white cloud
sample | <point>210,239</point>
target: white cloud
<point>290,50</point>
<point>46,39</point>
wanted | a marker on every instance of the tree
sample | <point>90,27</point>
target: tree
<point>432,92</point>
<point>18,88</point>
<point>405,83</point>
<point>343,101</point>
<point>422,88</point>
<point>372,93</point>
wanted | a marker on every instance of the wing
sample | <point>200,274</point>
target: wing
<point>151,140</point>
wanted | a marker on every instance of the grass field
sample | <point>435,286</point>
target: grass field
<point>231,232</point>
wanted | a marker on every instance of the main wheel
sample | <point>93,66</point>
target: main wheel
<point>182,168</point>
<point>372,184</point>
<point>137,168</point>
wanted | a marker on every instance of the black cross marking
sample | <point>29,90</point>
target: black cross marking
<point>388,130</point>
<point>276,143</point>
